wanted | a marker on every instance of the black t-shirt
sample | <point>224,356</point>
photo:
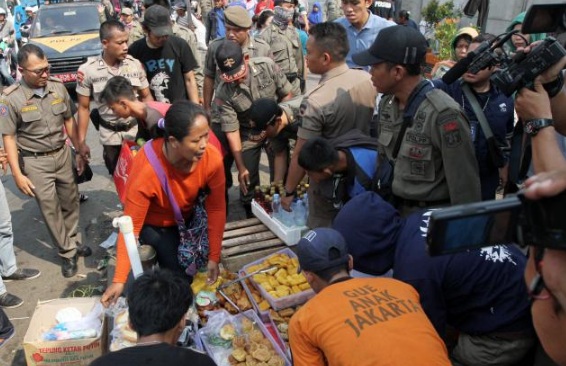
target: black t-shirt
<point>165,67</point>
<point>383,8</point>
<point>154,355</point>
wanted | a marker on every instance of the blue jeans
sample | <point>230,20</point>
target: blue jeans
<point>7,256</point>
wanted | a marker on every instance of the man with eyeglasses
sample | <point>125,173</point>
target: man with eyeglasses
<point>33,113</point>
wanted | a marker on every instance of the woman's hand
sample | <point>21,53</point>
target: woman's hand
<point>213,271</point>
<point>112,294</point>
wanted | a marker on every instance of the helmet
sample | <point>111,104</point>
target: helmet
<point>2,11</point>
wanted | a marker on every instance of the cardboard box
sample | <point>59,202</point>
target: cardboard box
<point>70,352</point>
<point>290,236</point>
<point>123,168</point>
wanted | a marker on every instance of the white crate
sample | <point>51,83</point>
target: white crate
<point>290,236</point>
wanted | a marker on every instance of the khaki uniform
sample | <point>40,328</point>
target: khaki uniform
<point>233,101</point>
<point>91,80</point>
<point>135,31</point>
<point>287,52</point>
<point>436,164</point>
<point>254,48</point>
<point>191,38</point>
<point>344,99</point>
<point>37,122</point>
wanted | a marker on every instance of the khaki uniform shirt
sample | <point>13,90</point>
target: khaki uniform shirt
<point>254,48</point>
<point>264,80</point>
<point>92,77</point>
<point>344,99</point>
<point>436,160</point>
<point>285,45</point>
<point>36,120</point>
<point>135,31</point>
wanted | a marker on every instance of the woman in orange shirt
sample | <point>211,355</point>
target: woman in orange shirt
<point>190,165</point>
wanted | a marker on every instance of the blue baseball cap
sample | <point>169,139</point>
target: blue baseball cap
<point>322,248</point>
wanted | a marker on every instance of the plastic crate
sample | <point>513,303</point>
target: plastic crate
<point>283,302</point>
<point>218,355</point>
<point>290,236</point>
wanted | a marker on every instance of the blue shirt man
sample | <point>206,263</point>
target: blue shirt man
<point>361,26</point>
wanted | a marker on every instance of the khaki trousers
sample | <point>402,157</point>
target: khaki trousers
<point>57,194</point>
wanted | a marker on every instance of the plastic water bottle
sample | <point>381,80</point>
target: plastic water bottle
<point>276,207</point>
<point>300,213</point>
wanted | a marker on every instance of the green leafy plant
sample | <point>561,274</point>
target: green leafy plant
<point>434,12</point>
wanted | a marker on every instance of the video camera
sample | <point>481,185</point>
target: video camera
<point>521,70</point>
<point>510,220</point>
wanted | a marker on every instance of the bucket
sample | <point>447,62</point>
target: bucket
<point>148,256</point>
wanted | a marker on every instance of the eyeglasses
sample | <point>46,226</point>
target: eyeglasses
<point>39,72</point>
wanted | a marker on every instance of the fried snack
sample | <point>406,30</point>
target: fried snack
<point>262,354</point>
<point>256,335</point>
<point>285,313</point>
<point>264,305</point>
<point>239,354</point>
<point>284,274</point>
<point>276,360</point>
<point>247,325</point>
<point>228,332</point>
<point>239,342</point>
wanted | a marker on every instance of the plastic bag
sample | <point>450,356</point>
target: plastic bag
<point>89,326</point>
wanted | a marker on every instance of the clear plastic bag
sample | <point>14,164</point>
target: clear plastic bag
<point>89,326</point>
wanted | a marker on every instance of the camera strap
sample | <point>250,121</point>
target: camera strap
<point>478,111</point>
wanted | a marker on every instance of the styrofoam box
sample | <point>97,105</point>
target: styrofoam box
<point>218,357</point>
<point>283,302</point>
<point>290,236</point>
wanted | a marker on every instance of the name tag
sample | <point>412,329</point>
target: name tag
<point>57,101</point>
<point>29,108</point>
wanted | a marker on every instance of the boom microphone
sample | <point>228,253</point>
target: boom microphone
<point>458,70</point>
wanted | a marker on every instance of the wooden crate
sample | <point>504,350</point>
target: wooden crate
<point>245,241</point>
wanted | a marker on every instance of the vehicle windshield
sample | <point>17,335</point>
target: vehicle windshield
<point>65,20</point>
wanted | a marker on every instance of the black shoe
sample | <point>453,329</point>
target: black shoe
<point>83,197</point>
<point>22,274</point>
<point>69,266</point>
<point>83,251</point>
<point>8,301</point>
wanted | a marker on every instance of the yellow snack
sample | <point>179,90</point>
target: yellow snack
<point>273,294</point>
<point>283,280</point>
<point>304,286</point>
<point>239,354</point>
<point>283,291</point>
<point>281,273</point>
<point>266,286</point>
<point>264,305</point>
<point>295,262</point>
<point>273,282</point>
<point>296,289</point>
<point>260,277</point>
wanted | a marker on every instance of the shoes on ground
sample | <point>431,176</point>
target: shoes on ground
<point>69,266</point>
<point>83,197</point>
<point>6,337</point>
<point>9,301</point>
<point>83,251</point>
<point>22,274</point>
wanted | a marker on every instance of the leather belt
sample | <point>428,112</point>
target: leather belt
<point>118,127</point>
<point>421,204</point>
<point>27,153</point>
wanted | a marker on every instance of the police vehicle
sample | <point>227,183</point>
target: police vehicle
<point>67,31</point>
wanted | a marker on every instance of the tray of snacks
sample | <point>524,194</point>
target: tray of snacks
<point>281,286</point>
<point>240,340</point>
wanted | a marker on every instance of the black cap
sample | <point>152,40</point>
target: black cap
<point>322,248</point>
<point>398,44</point>
<point>158,20</point>
<point>263,112</point>
<point>230,61</point>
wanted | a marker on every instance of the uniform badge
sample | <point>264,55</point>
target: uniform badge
<point>419,121</point>
<point>453,138</point>
<point>229,62</point>
<point>3,109</point>
<point>418,168</point>
<point>80,76</point>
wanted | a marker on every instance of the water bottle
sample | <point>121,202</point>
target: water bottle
<point>276,207</point>
<point>300,213</point>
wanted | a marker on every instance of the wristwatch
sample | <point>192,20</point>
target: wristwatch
<point>533,126</point>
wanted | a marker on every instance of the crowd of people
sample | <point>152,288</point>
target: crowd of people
<point>381,146</point>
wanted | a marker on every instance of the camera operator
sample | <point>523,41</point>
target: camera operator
<point>544,109</point>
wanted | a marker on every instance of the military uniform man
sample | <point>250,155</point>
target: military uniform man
<point>343,100</point>
<point>33,115</point>
<point>133,27</point>
<point>243,82</point>
<point>238,24</point>
<point>436,164</point>
<point>91,79</point>
<point>285,43</point>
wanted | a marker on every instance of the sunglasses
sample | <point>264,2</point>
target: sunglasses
<point>39,72</point>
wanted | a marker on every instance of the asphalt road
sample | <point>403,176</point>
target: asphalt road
<point>33,246</point>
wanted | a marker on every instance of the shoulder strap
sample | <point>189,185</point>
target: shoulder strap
<point>413,103</point>
<point>478,111</point>
<point>156,164</point>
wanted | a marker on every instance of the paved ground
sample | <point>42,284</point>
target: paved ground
<point>34,249</point>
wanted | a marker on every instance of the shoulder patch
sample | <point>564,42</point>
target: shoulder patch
<point>441,101</point>
<point>11,88</point>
